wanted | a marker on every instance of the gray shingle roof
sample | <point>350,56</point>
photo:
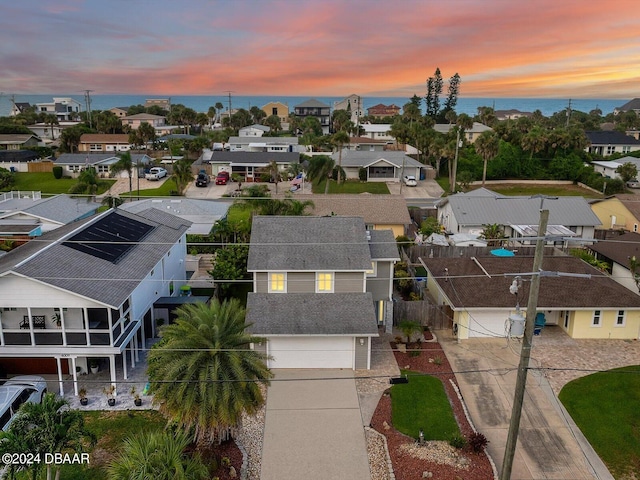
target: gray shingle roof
<point>355,158</point>
<point>312,103</point>
<point>59,208</point>
<point>468,286</point>
<point>620,249</point>
<point>470,209</point>
<point>255,157</point>
<point>93,277</point>
<point>311,314</point>
<point>383,245</point>
<point>610,137</point>
<point>308,244</point>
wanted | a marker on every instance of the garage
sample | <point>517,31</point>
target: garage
<point>489,323</point>
<point>311,352</point>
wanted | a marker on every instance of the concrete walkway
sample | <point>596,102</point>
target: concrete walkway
<point>313,428</point>
<point>549,445</point>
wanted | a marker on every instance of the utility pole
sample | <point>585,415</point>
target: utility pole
<point>525,354</point>
<point>87,102</point>
<point>454,167</point>
<point>568,113</point>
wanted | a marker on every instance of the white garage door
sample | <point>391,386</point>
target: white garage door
<point>311,352</point>
<point>487,323</point>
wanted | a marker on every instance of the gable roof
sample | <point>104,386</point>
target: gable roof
<point>355,158</point>
<point>466,284</point>
<point>610,137</point>
<point>16,138</point>
<point>374,209</point>
<point>59,208</point>
<point>619,249</point>
<point>256,126</point>
<point>383,245</point>
<point>281,243</point>
<point>18,156</point>
<point>631,203</point>
<point>486,209</point>
<point>97,158</point>
<point>630,105</point>
<point>52,262</point>
<point>309,314</point>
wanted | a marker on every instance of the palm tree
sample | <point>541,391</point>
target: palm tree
<point>219,108</point>
<point>51,427</point>
<point>494,234</point>
<point>124,164</point>
<point>339,139</point>
<point>203,374</point>
<point>274,172</point>
<point>182,175</point>
<point>159,455</point>
<point>487,145</point>
<point>321,168</point>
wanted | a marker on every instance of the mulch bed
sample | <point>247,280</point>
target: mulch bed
<point>431,360</point>
<point>226,449</point>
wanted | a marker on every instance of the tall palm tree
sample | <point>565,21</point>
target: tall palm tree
<point>159,455</point>
<point>274,172</point>
<point>51,427</point>
<point>487,145</point>
<point>124,164</point>
<point>321,168</point>
<point>182,175</point>
<point>339,139</point>
<point>219,108</point>
<point>203,374</point>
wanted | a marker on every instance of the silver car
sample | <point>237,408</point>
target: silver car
<point>16,391</point>
<point>634,183</point>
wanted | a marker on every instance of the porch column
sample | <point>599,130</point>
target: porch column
<point>112,372</point>
<point>75,376</point>
<point>125,373</point>
<point>31,332</point>
<point>132,354</point>
<point>136,347</point>
<point>60,383</point>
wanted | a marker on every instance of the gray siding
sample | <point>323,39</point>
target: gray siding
<point>262,282</point>
<point>301,282</point>
<point>361,353</point>
<point>378,286</point>
<point>347,282</point>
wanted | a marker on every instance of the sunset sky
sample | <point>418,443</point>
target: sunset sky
<point>500,48</point>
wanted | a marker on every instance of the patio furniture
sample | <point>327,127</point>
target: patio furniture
<point>38,321</point>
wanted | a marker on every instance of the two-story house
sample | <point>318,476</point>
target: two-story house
<point>87,290</point>
<point>279,109</point>
<point>134,121</point>
<point>315,108</point>
<point>65,108</point>
<point>321,288</point>
<point>353,104</point>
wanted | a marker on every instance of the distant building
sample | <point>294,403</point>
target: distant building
<point>608,143</point>
<point>279,109</point>
<point>381,111</point>
<point>630,105</point>
<point>65,109</point>
<point>18,108</point>
<point>512,114</point>
<point>119,111</point>
<point>163,103</point>
<point>471,135</point>
<point>104,142</point>
<point>17,141</point>
<point>134,121</point>
<point>315,108</point>
<point>353,104</point>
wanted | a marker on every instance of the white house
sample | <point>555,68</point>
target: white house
<point>65,108</point>
<point>255,130</point>
<point>87,291</point>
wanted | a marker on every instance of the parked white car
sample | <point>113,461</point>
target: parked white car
<point>156,173</point>
<point>410,181</point>
<point>633,183</point>
<point>16,391</point>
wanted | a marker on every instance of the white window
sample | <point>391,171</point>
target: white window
<point>626,149</point>
<point>610,149</point>
<point>277,282</point>
<point>635,227</point>
<point>596,318</point>
<point>324,282</point>
<point>620,318</point>
<point>95,147</point>
<point>372,271</point>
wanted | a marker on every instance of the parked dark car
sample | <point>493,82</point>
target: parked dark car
<point>222,178</point>
<point>202,180</point>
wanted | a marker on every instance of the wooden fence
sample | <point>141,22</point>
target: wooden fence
<point>40,167</point>
<point>423,312</point>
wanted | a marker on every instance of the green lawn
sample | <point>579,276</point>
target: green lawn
<point>164,190</point>
<point>352,187</point>
<point>605,406</point>
<point>110,428</point>
<point>47,184</point>
<point>422,404</point>
<point>238,213</point>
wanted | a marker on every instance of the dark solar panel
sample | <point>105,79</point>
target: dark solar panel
<point>109,238</point>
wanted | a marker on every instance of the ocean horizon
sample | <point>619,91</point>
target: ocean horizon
<point>201,103</point>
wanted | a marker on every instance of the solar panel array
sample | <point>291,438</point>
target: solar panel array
<point>110,238</point>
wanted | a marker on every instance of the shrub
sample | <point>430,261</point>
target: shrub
<point>362,174</point>
<point>477,442</point>
<point>458,441</point>
<point>409,328</point>
<point>438,360</point>
<point>57,172</point>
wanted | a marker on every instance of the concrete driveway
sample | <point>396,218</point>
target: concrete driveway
<point>313,428</point>
<point>550,446</point>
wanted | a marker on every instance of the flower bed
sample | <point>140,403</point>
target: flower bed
<point>409,460</point>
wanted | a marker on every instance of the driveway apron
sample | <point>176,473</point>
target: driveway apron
<point>549,445</point>
<point>313,428</point>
